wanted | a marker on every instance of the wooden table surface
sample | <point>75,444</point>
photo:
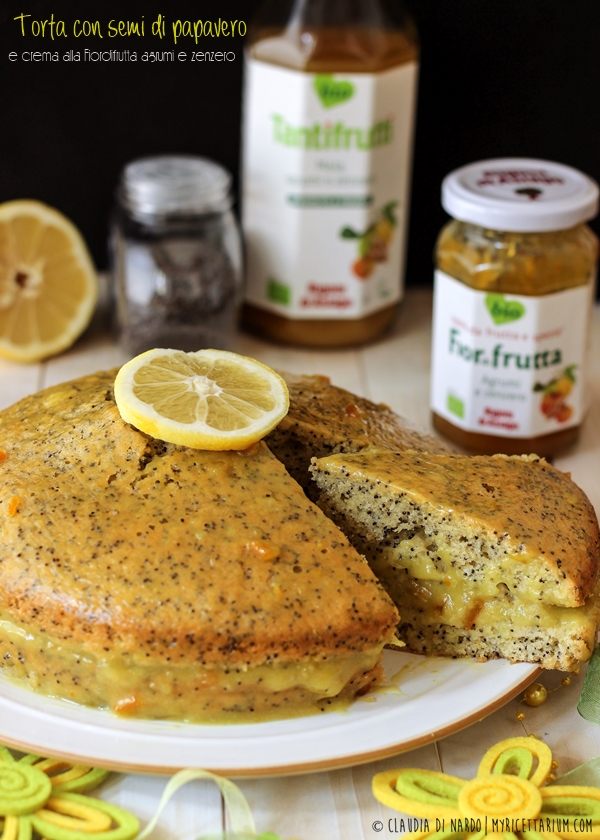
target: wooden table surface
<point>338,805</point>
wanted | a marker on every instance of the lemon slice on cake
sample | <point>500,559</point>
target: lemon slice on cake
<point>209,399</point>
<point>48,284</point>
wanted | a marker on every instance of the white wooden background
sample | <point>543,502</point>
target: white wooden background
<point>338,805</point>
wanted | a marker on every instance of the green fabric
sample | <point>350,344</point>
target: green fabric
<point>433,790</point>
<point>92,779</point>
<point>228,835</point>
<point>572,806</point>
<point>516,761</point>
<point>238,810</point>
<point>587,775</point>
<point>25,829</point>
<point>6,756</point>
<point>589,702</point>
<point>451,834</point>
<point>126,825</point>
<point>22,788</point>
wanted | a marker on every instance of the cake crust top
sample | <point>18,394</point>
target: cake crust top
<point>116,540</point>
<point>344,422</point>
<point>537,512</point>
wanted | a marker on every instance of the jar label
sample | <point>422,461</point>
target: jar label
<point>325,189</point>
<point>506,364</point>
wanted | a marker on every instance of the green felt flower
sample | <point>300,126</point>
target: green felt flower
<point>229,835</point>
<point>43,797</point>
<point>507,797</point>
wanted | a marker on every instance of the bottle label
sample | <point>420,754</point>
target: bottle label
<point>325,189</point>
<point>509,365</point>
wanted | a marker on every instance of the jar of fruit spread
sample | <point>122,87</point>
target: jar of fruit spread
<point>329,109</point>
<point>514,287</point>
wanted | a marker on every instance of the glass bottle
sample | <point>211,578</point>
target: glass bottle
<point>514,287</point>
<point>328,127</point>
<point>176,255</point>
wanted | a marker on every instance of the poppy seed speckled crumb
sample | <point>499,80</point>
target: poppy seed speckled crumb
<point>484,556</point>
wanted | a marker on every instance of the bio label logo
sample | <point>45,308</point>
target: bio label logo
<point>278,292</point>
<point>456,406</point>
<point>332,92</point>
<point>503,311</point>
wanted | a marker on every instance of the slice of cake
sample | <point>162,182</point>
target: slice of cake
<point>168,582</point>
<point>485,557</point>
<point>324,418</point>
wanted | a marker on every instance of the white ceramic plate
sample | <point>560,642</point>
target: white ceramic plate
<point>426,699</point>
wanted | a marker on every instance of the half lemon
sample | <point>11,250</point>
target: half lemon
<point>209,399</point>
<point>48,283</point>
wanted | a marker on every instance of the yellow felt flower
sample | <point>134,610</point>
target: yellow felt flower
<point>42,797</point>
<point>506,797</point>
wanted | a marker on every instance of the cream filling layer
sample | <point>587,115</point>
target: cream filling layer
<point>431,584</point>
<point>121,682</point>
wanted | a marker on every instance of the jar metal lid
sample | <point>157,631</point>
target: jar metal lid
<point>174,184</point>
<point>520,194</point>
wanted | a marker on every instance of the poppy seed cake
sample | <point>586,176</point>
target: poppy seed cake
<point>484,556</point>
<point>323,419</point>
<point>162,581</point>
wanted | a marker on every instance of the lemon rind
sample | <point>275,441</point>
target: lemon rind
<point>35,352</point>
<point>198,435</point>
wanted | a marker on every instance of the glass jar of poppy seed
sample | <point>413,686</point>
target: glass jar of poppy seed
<point>176,255</point>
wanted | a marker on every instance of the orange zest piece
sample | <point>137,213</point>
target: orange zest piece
<point>126,704</point>
<point>13,505</point>
<point>3,456</point>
